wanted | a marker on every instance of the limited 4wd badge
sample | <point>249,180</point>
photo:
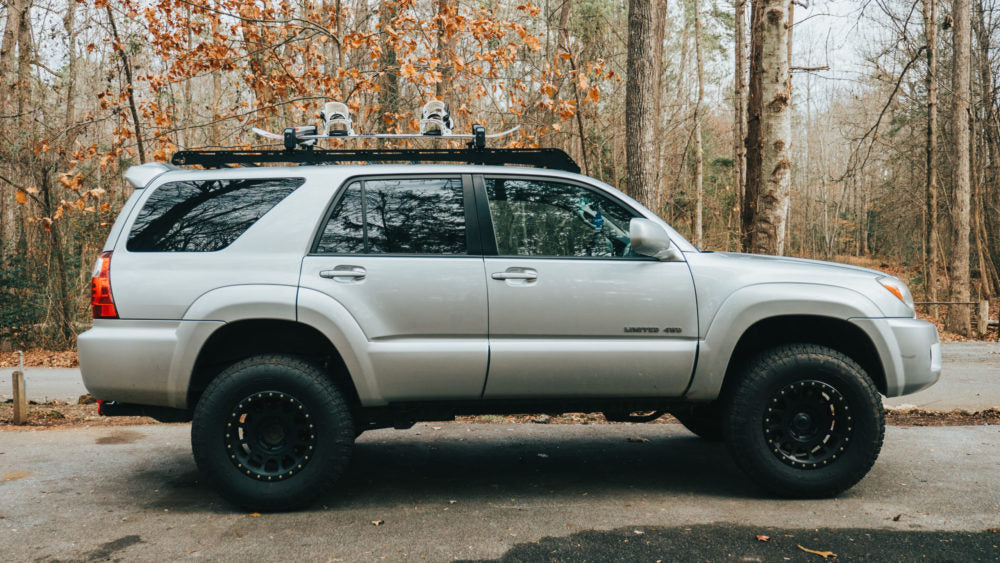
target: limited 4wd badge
<point>653,329</point>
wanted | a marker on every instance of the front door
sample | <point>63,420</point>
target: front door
<point>572,311</point>
<point>396,252</point>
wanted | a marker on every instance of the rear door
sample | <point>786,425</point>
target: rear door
<point>572,311</point>
<point>398,253</point>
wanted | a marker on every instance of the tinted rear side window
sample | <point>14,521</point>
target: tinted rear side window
<point>397,216</point>
<point>204,216</point>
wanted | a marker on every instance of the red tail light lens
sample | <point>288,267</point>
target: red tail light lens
<point>100,289</point>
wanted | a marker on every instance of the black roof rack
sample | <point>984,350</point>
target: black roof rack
<point>555,159</point>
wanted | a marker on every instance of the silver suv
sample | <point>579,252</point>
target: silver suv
<point>285,310</point>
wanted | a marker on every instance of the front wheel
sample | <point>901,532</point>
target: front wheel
<point>804,421</point>
<point>272,433</point>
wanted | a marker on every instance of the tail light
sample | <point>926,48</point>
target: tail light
<point>100,289</point>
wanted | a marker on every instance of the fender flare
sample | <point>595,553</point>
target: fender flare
<point>320,311</point>
<point>751,304</point>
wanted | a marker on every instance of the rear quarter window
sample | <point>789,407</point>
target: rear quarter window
<point>204,215</point>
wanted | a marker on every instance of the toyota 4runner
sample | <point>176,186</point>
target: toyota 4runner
<point>286,310</point>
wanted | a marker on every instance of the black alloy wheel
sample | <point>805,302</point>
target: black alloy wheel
<point>804,420</point>
<point>272,432</point>
<point>270,435</point>
<point>808,424</point>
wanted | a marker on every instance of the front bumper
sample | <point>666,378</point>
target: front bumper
<point>910,351</point>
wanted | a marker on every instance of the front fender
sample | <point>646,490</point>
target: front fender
<point>752,304</point>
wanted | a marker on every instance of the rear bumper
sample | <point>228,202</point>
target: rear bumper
<point>144,362</point>
<point>910,352</point>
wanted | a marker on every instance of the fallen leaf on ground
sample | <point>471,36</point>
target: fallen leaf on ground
<point>378,522</point>
<point>762,537</point>
<point>255,514</point>
<point>993,530</point>
<point>638,439</point>
<point>15,475</point>
<point>823,554</point>
<point>897,517</point>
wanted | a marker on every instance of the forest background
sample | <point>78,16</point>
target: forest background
<point>862,131</point>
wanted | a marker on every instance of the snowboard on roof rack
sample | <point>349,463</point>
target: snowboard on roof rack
<point>435,124</point>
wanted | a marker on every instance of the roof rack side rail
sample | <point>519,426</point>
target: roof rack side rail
<point>555,159</point>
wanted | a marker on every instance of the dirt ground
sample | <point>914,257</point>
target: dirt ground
<point>41,359</point>
<point>58,414</point>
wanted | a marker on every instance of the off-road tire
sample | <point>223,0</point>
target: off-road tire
<point>760,443</point>
<point>308,423</point>
<point>704,421</point>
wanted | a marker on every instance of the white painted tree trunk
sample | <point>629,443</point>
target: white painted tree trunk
<point>959,317</point>
<point>775,123</point>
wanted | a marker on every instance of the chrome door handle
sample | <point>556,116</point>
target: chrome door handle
<point>355,272</point>
<point>530,276</point>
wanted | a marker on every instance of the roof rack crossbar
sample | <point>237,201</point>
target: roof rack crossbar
<point>541,158</point>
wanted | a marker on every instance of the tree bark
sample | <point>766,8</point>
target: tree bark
<point>699,152</point>
<point>69,24</point>
<point>959,318</point>
<point>740,107</point>
<point>775,127</point>
<point>447,9</point>
<point>11,31</point>
<point>129,84</point>
<point>753,142</point>
<point>388,81</point>
<point>640,104</point>
<point>931,188</point>
<point>25,53</point>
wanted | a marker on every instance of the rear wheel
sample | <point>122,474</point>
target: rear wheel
<point>272,433</point>
<point>804,421</point>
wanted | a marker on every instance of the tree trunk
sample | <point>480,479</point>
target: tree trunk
<point>11,32</point>
<point>931,192</point>
<point>388,81</point>
<point>775,128</point>
<point>754,142</point>
<point>640,104</point>
<point>129,84</point>
<point>699,152</point>
<point>740,107</point>
<point>69,23</point>
<point>959,318</point>
<point>988,176</point>
<point>25,54</point>
<point>447,10</point>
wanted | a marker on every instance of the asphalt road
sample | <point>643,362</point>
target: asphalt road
<point>523,492</point>
<point>971,381</point>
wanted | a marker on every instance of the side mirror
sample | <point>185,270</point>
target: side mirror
<point>649,239</point>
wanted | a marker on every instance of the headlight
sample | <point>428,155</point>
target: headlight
<point>898,289</point>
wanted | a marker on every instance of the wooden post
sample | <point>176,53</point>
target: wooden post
<point>20,404</point>
<point>984,317</point>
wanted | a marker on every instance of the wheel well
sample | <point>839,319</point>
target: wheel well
<point>243,339</point>
<point>838,334</point>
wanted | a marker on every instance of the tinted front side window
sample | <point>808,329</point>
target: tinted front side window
<point>539,218</point>
<point>204,216</point>
<point>400,216</point>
